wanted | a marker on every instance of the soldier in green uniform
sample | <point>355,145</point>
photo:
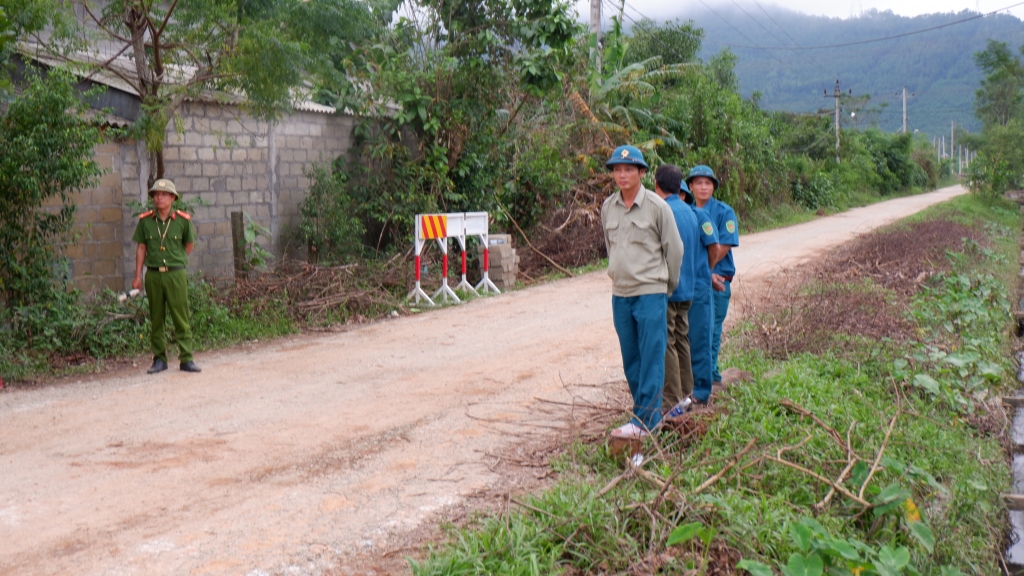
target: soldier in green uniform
<point>165,238</point>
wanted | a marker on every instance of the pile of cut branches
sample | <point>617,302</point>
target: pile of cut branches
<point>314,294</point>
<point>571,236</point>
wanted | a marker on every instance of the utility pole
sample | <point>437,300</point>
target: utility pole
<point>904,107</point>
<point>595,29</point>
<point>951,139</point>
<point>836,94</point>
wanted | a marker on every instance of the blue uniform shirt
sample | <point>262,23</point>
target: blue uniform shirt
<point>686,222</point>
<point>708,235</point>
<point>728,233</point>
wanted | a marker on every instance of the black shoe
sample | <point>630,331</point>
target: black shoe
<point>189,366</point>
<point>158,366</point>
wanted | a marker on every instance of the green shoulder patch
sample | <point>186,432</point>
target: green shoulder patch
<point>707,228</point>
<point>731,226</point>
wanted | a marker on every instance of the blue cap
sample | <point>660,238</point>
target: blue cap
<point>627,155</point>
<point>704,171</point>
<point>686,190</point>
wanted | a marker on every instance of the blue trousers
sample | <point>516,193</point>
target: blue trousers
<point>721,309</point>
<point>641,325</point>
<point>702,313</point>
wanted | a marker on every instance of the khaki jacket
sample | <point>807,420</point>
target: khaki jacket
<point>645,251</point>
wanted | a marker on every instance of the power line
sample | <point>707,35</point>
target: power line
<point>795,43</point>
<point>772,34</point>
<point>690,34</point>
<point>697,37</point>
<point>738,31</point>
<point>869,41</point>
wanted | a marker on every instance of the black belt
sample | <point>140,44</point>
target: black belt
<point>166,268</point>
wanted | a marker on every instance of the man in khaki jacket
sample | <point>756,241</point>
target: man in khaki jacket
<point>645,253</point>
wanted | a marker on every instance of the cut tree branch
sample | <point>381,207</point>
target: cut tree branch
<point>735,460</point>
<point>881,452</point>
<point>539,253</point>
<point>817,476</point>
<point>793,407</point>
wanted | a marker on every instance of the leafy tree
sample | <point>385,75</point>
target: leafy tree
<point>1000,163</point>
<point>45,155</point>
<point>674,42</point>
<point>7,38</point>
<point>722,67</point>
<point>624,94</point>
<point>1000,98</point>
<point>461,72</point>
<point>262,50</point>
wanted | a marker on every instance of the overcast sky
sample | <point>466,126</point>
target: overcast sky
<point>661,9</point>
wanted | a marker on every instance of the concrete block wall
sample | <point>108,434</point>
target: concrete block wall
<point>216,152</point>
<point>237,163</point>
<point>96,258</point>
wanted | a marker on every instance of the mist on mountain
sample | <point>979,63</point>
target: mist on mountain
<point>937,66</point>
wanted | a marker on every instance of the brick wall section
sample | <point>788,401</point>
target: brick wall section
<point>230,160</point>
<point>96,259</point>
<point>236,163</point>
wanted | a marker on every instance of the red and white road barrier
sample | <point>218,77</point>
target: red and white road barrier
<point>441,227</point>
<point>476,225</point>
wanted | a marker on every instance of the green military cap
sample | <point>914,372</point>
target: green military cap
<point>164,185</point>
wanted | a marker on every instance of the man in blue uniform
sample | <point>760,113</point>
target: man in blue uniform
<point>703,183</point>
<point>702,311</point>
<point>644,257</point>
<point>678,373</point>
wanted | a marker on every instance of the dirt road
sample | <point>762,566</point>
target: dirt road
<point>314,451</point>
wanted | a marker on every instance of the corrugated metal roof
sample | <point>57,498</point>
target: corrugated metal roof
<point>107,119</point>
<point>310,106</point>
<point>117,69</point>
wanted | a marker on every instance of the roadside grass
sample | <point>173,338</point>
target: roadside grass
<point>80,334</point>
<point>754,485</point>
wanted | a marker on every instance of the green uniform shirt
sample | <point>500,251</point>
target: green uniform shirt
<point>170,235</point>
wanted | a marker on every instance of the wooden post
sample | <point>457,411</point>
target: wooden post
<point>1013,501</point>
<point>238,244</point>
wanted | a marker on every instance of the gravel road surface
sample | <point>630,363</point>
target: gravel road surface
<point>306,454</point>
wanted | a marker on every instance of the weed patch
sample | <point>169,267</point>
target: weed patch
<point>79,332</point>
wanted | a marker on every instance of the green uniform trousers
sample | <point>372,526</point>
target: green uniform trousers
<point>678,374</point>
<point>168,295</point>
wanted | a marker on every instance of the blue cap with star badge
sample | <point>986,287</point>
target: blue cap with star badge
<point>627,155</point>
<point>702,171</point>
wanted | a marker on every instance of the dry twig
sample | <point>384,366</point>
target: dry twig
<point>793,407</point>
<point>881,452</point>
<point>735,459</point>
<point>851,460</point>
<point>817,476</point>
<point>531,246</point>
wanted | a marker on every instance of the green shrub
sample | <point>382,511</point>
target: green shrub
<point>45,155</point>
<point>73,328</point>
<point>330,225</point>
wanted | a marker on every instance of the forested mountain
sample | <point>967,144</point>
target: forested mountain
<point>937,66</point>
